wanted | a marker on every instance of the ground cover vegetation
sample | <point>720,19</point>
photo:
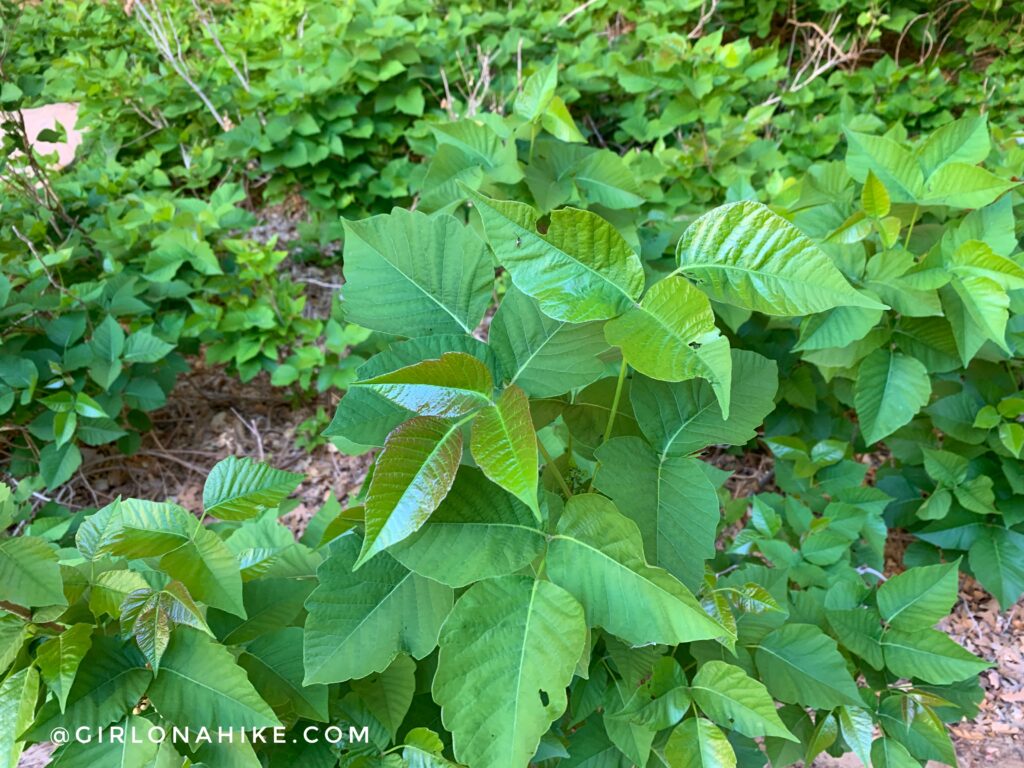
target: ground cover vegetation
<point>577,250</point>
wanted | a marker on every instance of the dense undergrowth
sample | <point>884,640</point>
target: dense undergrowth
<point>778,228</point>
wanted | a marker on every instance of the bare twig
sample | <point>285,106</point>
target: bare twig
<point>575,12</point>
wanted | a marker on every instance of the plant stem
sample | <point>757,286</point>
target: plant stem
<point>558,475</point>
<point>910,229</point>
<point>615,402</point>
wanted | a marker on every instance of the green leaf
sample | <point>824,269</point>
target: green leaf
<point>681,418</point>
<point>143,347</point>
<point>929,655</point>
<point>745,255</point>
<point>887,753</point>
<point>110,681</point>
<point>200,684</point>
<point>734,700</point>
<point>107,345</point>
<point>357,624</point>
<point>504,446</point>
<point>597,556</point>
<point>451,386</point>
<point>388,694</point>
<point>58,659</point>
<point>537,92</point>
<point>895,167</point>
<point>579,270</point>
<point>891,388</point>
<point>188,551</point>
<point>961,185</point>
<point>29,572</point>
<point>500,691</point>
<point>19,693</point>
<point>58,464</point>
<point>799,664</point>
<point>541,355</point>
<point>671,500</point>
<point>415,275</point>
<point>857,727</point>
<point>493,533</point>
<point>860,631</point>
<point>671,336</point>
<point>960,141</point>
<point>364,418</point>
<point>920,597</point>
<point>424,749</point>
<point>838,327</point>
<point>605,179</point>
<point>978,311</point>
<point>128,752</point>
<point>997,560</point>
<point>412,475</point>
<point>240,489</point>
<point>873,197</point>
<point>697,743</point>
<point>976,258</point>
<point>150,616</point>
<point>109,589</point>
<point>274,664</point>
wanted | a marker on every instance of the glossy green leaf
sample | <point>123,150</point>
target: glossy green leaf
<point>671,335</point>
<point>891,388</point>
<point>962,185</point>
<point>200,684</point>
<point>411,274</point>
<point>541,355</point>
<point>187,550</point>
<point>697,743</point>
<point>745,255</point>
<point>388,694</point>
<point>29,572</point>
<point>681,418</point>
<point>997,560</point>
<point>453,385</point>
<point>929,655</point>
<point>504,446</point>
<point>579,270</point>
<point>733,699</point>
<point>412,475</point>
<point>493,533</point>
<point>799,664</point>
<point>359,622</point>
<point>671,500</point>
<point>58,659</point>
<point>500,691</point>
<point>597,556</point>
<point>893,165</point>
<point>920,597</point>
<point>874,199</point>
<point>959,141</point>
<point>238,489</point>
<point>18,695</point>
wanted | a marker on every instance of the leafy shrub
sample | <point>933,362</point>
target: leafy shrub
<point>930,233</point>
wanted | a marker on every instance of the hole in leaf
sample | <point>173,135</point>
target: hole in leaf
<point>544,698</point>
<point>543,223</point>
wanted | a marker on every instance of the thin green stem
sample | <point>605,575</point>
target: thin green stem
<point>910,229</point>
<point>554,469</point>
<point>615,402</point>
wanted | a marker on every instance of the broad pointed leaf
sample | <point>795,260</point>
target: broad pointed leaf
<point>697,743</point>
<point>541,355</point>
<point>504,446</point>
<point>891,388</point>
<point>671,500</point>
<point>501,689</point>
<point>58,659</point>
<point>238,489</point>
<point>745,255</point>
<point>920,597</point>
<point>200,684</point>
<point>274,664</point>
<point>412,475</point>
<point>799,664</point>
<point>415,275</point>
<point>997,560</point>
<point>358,623</point>
<point>597,555</point>
<point>493,533</point>
<point>581,269</point>
<point>453,385</point>
<point>388,694</point>
<point>19,693</point>
<point>733,699</point>
<point>671,336</point>
<point>29,572</point>
<point>929,655</point>
<point>681,418</point>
